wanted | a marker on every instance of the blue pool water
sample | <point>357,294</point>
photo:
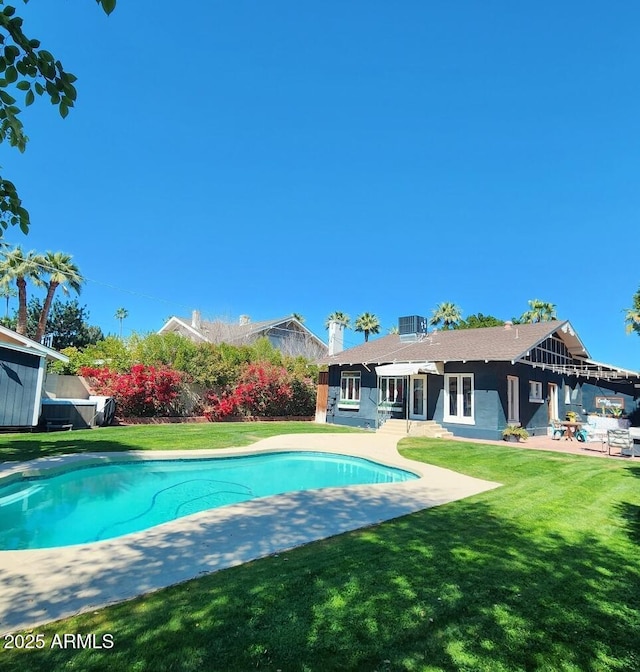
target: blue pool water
<point>100,502</point>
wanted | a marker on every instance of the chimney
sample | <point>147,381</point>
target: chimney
<point>195,319</point>
<point>244,319</point>
<point>336,337</point>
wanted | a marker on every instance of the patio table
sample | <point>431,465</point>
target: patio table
<point>572,427</point>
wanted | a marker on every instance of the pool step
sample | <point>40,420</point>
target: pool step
<point>426,428</point>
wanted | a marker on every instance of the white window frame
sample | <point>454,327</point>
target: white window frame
<point>383,394</point>
<point>535,392</point>
<point>350,402</point>
<point>513,400</point>
<point>458,418</point>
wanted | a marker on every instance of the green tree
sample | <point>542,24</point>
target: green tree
<point>298,317</point>
<point>632,315</point>
<point>539,311</point>
<point>63,273</point>
<point>339,317</point>
<point>7,292</point>
<point>26,69</point>
<point>169,349</point>
<point>19,267</point>
<point>394,329</point>
<point>478,321</point>
<point>367,323</point>
<point>446,315</point>
<point>67,323</point>
<point>121,314</point>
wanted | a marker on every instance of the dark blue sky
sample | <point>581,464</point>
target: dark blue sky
<point>270,158</point>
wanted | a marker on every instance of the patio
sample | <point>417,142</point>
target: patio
<point>574,447</point>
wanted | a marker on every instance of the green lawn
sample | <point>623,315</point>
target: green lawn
<point>187,436</point>
<point>540,574</point>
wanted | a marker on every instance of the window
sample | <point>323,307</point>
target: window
<point>349,390</point>
<point>391,391</point>
<point>458,403</point>
<point>535,392</point>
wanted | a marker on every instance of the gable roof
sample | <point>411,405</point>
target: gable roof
<point>487,343</point>
<point>14,341</point>
<point>236,333</point>
<point>508,343</point>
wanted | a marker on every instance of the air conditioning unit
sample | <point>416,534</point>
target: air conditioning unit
<point>413,324</point>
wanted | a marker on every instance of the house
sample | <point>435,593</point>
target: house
<point>472,382</point>
<point>23,364</point>
<point>287,334</point>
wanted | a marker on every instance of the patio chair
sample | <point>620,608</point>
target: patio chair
<point>557,430</point>
<point>622,439</point>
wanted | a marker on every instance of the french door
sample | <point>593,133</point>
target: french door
<point>418,397</point>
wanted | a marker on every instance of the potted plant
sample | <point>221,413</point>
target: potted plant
<point>572,416</point>
<point>515,433</point>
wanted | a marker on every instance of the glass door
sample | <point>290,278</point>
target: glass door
<point>418,398</point>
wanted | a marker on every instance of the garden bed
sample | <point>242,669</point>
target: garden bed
<point>202,418</point>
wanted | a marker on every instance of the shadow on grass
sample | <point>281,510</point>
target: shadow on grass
<point>46,445</point>
<point>451,588</point>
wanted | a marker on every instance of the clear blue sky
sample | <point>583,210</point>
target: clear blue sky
<point>270,158</point>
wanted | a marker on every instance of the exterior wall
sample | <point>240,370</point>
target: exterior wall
<point>65,387</point>
<point>19,391</point>
<point>490,398</point>
<point>592,389</point>
<point>366,415</point>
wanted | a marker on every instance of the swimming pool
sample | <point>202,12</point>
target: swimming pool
<point>93,503</point>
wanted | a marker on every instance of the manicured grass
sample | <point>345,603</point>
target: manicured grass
<point>187,436</point>
<point>540,574</point>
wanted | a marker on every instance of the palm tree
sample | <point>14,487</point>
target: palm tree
<point>18,267</point>
<point>7,292</point>
<point>393,330</point>
<point>632,315</point>
<point>62,273</point>
<point>539,311</point>
<point>367,323</point>
<point>339,317</point>
<point>446,314</point>
<point>121,314</point>
<point>298,316</point>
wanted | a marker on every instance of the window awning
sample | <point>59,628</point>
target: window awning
<point>410,368</point>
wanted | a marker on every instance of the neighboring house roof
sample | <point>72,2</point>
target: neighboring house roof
<point>238,333</point>
<point>14,341</point>
<point>509,343</point>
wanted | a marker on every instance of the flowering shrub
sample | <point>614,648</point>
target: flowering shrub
<point>263,390</point>
<point>143,391</point>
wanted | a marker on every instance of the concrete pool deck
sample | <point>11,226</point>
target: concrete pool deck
<point>39,586</point>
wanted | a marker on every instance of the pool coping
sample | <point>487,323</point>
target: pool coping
<point>44,585</point>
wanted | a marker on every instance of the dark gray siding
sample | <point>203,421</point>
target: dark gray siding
<point>18,387</point>
<point>490,398</point>
<point>366,415</point>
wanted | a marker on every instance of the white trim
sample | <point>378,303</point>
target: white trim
<point>535,392</point>
<point>38,396</point>
<point>23,344</point>
<point>176,320</point>
<point>412,414</point>
<point>459,419</point>
<point>513,400</point>
<point>351,404</point>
